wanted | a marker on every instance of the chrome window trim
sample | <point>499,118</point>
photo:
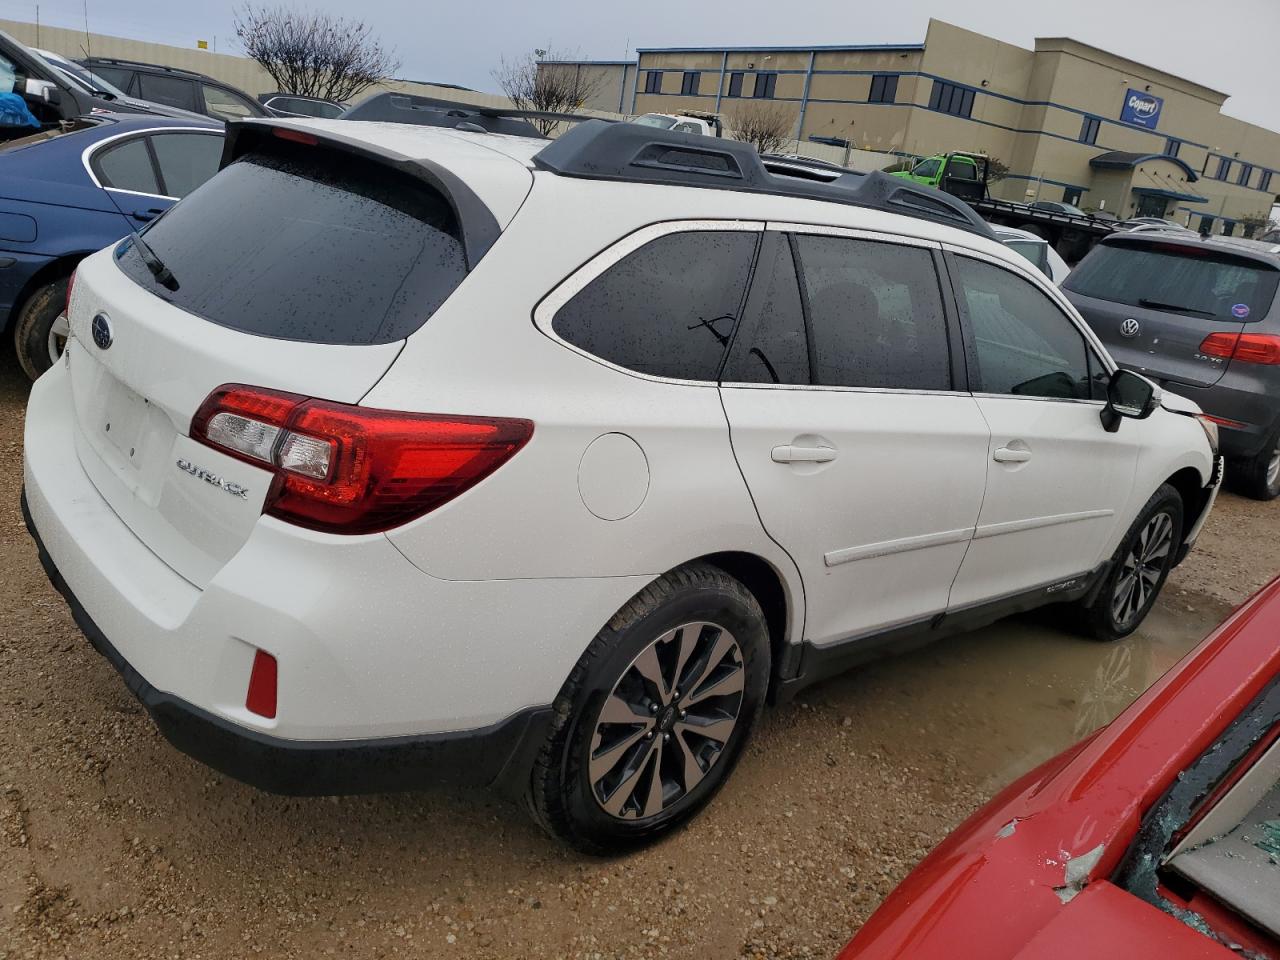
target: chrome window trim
<point>89,152</point>
<point>1016,396</point>
<point>1055,295</point>
<point>140,193</point>
<point>823,388</point>
<point>544,313</point>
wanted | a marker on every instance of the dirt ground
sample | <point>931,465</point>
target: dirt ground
<point>114,845</point>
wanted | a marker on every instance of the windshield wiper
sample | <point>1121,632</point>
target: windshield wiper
<point>1180,308</point>
<point>164,276</point>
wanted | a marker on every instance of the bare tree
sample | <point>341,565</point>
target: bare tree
<point>764,125</point>
<point>313,54</point>
<point>548,81</point>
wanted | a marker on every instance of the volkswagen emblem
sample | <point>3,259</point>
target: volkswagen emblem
<point>101,329</point>
<point>1129,328</point>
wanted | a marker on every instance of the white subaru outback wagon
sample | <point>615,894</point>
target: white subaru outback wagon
<point>397,454</point>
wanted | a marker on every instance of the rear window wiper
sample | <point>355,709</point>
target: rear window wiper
<point>164,276</point>
<point>1180,308</point>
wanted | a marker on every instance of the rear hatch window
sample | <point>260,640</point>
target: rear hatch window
<point>1203,282</point>
<point>309,244</point>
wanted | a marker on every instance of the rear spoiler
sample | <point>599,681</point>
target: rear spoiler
<point>430,112</point>
<point>260,134</point>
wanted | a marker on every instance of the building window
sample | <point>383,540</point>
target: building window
<point>1089,130</point>
<point>1171,147</point>
<point>884,88</point>
<point>653,81</point>
<point>1224,168</point>
<point>949,98</point>
<point>1228,228</point>
<point>1264,181</point>
<point>1246,174</point>
<point>689,85</point>
<point>1073,196</point>
<point>735,84</point>
<point>1206,224</point>
<point>764,86</point>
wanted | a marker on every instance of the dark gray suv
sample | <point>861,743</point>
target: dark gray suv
<point>1200,316</point>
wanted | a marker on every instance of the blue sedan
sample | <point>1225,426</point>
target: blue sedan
<point>64,195</point>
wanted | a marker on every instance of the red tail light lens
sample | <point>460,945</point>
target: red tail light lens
<point>348,469</point>
<point>71,285</point>
<point>1245,347</point>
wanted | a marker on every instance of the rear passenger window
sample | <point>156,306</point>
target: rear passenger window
<point>170,91</point>
<point>127,167</point>
<point>771,346</point>
<point>1026,345</point>
<point>186,160</point>
<point>667,309</point>
<point>875,314</point>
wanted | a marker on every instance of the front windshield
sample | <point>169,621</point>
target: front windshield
<point>1073,210</point>
<point>656,120</point>
<point>80,77</point>
<point>926,168</point>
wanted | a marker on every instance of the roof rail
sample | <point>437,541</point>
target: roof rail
<point>432,112</point>
<point>639,154</point>
<point>120,61</point>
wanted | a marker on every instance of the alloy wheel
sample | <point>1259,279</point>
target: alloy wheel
<point>58,334</point>
<point>1142,568</point>
<point>1273,468</point>
<point>667,721</point>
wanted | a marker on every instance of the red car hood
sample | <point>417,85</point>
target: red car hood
<point>1107,923</point>
<point>1026,873</point>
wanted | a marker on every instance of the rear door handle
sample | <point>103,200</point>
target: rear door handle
<point>147,216</point>
<point>794,453</point>
<point>1011,455</point>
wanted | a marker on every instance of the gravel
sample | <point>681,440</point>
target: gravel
<point>113,845</point>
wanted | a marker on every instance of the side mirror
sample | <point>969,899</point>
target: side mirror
<point>45,91</point>
<point>1129,395</point>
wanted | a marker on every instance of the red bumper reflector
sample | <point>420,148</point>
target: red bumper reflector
<point>262,686</point>
<point>1222,421</point>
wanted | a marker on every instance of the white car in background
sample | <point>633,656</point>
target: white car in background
<point>704,124</point>
<point>396,453</point>
<point>1036,249</point>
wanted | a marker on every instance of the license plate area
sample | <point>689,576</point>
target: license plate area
<point>124,422</point>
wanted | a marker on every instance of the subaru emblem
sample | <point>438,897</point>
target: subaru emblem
<point>1129,328</point>
<point>101,329</point>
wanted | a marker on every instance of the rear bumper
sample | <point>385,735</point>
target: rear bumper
<point>1251,401</point>
<point>499,753</point>
<point>392,676</point>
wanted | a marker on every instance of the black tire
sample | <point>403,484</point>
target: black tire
<point>561,795</point>
<point>34,322</point>
<point>1256,477</point>
<point>1102,620</point>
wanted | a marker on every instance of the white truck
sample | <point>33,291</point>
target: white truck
<point>707,124</point>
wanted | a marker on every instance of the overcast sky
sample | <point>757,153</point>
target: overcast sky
<point>1230,45</point>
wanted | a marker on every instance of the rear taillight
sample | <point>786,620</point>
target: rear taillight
<point>348,469</point>
<point>71,285</point>
<point>1245,347</point>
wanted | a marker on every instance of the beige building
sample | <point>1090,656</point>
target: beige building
<point>1072,122</point>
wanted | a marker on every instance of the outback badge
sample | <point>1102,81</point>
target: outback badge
<point>200,473</point>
